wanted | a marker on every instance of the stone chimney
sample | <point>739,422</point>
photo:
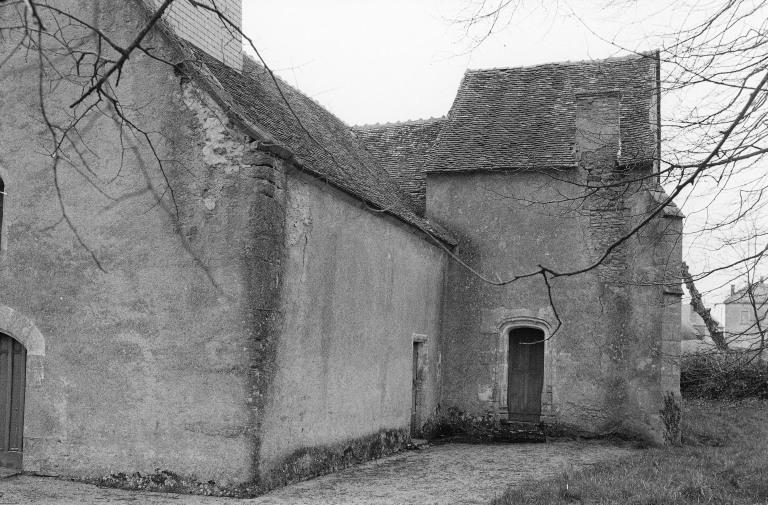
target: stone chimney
<point>733,289</point>
<point>597,144</point>
<point>598,136</point>
<point>205,30</point>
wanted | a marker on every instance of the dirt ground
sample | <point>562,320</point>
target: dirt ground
<point>446,474</point>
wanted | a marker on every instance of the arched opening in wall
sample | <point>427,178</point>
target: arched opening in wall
<point>525,374</point>
<point>13,366</point>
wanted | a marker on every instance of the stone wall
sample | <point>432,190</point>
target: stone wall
<point>148,362</point>
<point>501,235</point>
<point>611,363</point>
<point>359,288</point>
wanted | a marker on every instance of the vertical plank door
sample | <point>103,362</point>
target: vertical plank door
<point>13,359</point>
<point>526,374</point>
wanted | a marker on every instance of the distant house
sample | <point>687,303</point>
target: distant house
<point>746,315</point>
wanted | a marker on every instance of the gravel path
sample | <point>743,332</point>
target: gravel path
<point>446,474</point>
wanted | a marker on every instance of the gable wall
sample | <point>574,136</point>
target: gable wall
<point>148,364</point>
<point>604,367</point>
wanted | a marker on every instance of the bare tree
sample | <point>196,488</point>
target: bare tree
<point>718,143</point>
<point>715,131</point>
<point>70,51</point>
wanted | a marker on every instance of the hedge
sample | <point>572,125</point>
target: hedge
<point>723,375</point>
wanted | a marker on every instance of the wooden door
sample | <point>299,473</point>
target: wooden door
<point>525,374</point>
<point>13,366</point>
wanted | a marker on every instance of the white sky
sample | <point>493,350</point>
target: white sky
<point>374,61</point>
<point>370,61</point>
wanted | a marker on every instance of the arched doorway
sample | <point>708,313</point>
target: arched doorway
<point>13,366</point>
<point>525,374</point>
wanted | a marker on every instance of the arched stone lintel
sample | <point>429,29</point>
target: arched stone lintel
<point>493,320</point>
<point>526,322</point>
<point>21,328</point>
<point>499,322</point>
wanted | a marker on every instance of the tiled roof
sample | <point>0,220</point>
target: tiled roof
<point>759,292</point>
<point>319,141</point>
<point>402,149</point>
<point>511,118</point>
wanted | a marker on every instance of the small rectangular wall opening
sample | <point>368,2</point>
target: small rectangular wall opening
<point>417,387</point>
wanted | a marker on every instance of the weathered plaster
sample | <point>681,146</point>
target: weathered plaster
<point>501,236</point>
<point>22,329</point>
<point>154,362</point>
<point>603,367</point>
<point>357,286</point>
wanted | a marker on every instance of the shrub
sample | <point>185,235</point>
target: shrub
<point>723,375</point>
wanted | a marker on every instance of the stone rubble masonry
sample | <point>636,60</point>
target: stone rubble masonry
<point>632,278</point>
<point>263,175</point>
<point>206,30</point>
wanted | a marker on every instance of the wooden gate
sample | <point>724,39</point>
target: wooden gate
<point>13,366</point>
<point>526,374</point>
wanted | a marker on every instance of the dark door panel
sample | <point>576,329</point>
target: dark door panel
<point>526,374</point>
<point>13,365</point>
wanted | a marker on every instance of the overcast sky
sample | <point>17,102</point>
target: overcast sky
<point>374,61</point>
<point>370,61</point>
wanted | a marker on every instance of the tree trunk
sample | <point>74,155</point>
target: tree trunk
<point>702,311</point>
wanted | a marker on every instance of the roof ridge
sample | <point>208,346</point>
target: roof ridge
<point>524,117</point>
<point>405,122</point>
<point>611,59</point>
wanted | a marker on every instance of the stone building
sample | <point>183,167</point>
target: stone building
<point>265,293</point>
<point>745,315</point>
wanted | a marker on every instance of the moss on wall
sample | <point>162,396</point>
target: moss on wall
<point>456,425</point>
<point>309,462</point>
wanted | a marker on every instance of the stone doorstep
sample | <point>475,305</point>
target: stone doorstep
<point>8,472</point>
<point>521,425</point>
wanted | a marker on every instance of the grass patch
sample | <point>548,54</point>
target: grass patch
<point>723,459</point>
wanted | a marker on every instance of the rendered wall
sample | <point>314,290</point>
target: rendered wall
<point>357,286</point>
<point>146,364</point>
<point>603,367</point>
<point>500,235</point>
